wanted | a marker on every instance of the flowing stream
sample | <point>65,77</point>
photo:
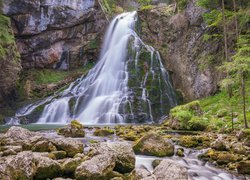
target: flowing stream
<point>127,85</point>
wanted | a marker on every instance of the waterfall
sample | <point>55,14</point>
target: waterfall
<point>127,85</point>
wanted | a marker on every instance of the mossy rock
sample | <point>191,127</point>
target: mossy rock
<point>59,154</point>
<point>156,162</point>
<point>225,158</point>
<point>75,129</point>
<point>153,144</point>
<point>244,167</point>
<point>188,141</point>
<point>70,165</point>
<point>180,152</point>
<point>104,132</point>
<point>43,146</point>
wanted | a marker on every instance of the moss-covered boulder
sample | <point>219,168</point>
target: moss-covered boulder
<point>59,154</point>
<point>103,131</point>
<point>46,167</point>
<point>187,117</point>
<point>74,129</point>
<point>43,146</point>
<point>153,144</point>
<point>188,141</point>
<point>70,146</point>
<point>244,167</point>
<point>225,158</point>
<point>70,165</point>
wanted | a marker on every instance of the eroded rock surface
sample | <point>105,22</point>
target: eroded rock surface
<point>56,31</point>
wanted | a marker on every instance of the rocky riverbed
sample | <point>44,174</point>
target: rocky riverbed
<point>122,152</point>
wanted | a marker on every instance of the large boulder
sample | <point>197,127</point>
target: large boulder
<point>97,167</point>
<point>43,146</point>
<point>169,169</point>
<point>28,165</point>
<point>21,166</point>
<point>74,129</point>
<point>153,144</point>
<point>46,167</point>
<point>122,152</point>
<point>18,133</point>
<point>70,146</point>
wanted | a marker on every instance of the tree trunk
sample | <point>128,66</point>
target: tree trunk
<point>244,98</point>
<point>224,31</point>
<point>235,20</point>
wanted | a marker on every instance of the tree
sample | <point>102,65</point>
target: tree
<point>238,69</point>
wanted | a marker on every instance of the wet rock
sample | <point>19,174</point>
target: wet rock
<point>244,167</point>
<point>182,34</point>
<point>70,165</point>
<point>180,152</point>
<point>219,145</point>
<point>122,152</point>
<point>140,173</point>
<point>43,146</point>
<point>74,129</point>
<point>103,132</point>
<point>70,146</point>
<point>59,154</point>
<point>153,144</point>
<point>97,167</point>
<point>169,169</point>
<point>156,162</point>
<point>46,167</point>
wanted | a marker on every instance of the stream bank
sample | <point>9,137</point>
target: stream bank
<point>69,157</point>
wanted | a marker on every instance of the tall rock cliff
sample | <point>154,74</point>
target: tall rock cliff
<point>187,55</point>
<point>10,66</point>
<point>60,34</point>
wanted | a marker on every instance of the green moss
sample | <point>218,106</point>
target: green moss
<point>7,39</point>
<point>188,141</point>
<point>106,131</point>
<point>147,7</point>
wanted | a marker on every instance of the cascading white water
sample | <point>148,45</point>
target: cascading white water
<point>99,94</point>
<point>104,96</point>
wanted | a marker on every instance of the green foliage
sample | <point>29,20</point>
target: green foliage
<point>208,4</point>
<point>181,4</point>
<point>7,38</point>
<point>47,76</point>
<point>197,123</point>
<point>144,2</point>
<point>240,65</point>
